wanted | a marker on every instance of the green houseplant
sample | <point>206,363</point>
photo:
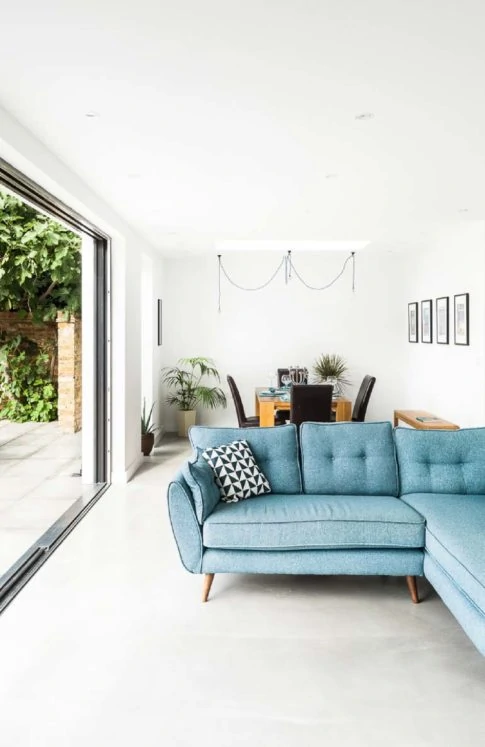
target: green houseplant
<point>331,368</point>
<point>148,430</point>
<point>187,390</point>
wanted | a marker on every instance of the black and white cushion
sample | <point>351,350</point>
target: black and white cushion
<point>235,471</point>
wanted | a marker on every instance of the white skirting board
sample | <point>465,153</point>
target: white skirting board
<point>120,478</point>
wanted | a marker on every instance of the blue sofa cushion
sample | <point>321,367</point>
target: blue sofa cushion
<point>455,532</point>
<point>348,459</point>
<point>200,479</point>
<point>275,451</point>
<point>441,461</point>
<point>290,522</point>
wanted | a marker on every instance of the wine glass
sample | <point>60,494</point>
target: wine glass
<point>286,380</point>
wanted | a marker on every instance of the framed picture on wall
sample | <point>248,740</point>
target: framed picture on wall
<point>159,321</point>
<point>427,321</point>
<point>462,321</point>
<point>413,321</point>
<point>442,320</point>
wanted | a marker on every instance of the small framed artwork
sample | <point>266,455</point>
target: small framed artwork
<point>413,322</point>
<point>159,319</point>
<point>427,321</point>
<point>462,321</point>
<point>442,320</point>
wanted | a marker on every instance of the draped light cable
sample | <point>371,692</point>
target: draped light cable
<point>328,285</point>
<point>290,268</point>
<point>222,270</point>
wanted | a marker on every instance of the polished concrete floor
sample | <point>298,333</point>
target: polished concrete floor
<point>110,645</point>
<point>39,480</point>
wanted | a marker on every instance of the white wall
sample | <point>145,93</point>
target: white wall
<point>29,155</point>
<point>448,380</point>
<point>255,333</point>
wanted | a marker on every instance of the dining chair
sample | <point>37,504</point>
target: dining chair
<point>311,402</point>
<point>244,421</point>
<point>282,415</point>
<point>362,399</point>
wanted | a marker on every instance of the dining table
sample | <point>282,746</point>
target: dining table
<point>266,403</point>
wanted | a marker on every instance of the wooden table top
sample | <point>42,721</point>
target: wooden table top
<point>410,417</point>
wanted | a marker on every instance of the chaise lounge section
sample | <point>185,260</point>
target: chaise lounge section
<point>443,478</point>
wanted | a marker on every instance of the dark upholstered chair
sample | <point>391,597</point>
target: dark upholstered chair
<point>243,420</point>
<point>362,399</point>
<point>282,415</point>
<point>311,402</point>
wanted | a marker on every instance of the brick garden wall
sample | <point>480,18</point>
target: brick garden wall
<point>69,379</point>
<point>64,337</point>
<point>44,335</point>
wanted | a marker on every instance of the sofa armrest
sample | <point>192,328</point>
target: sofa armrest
<point>199,479</point>
<point>185,527</point>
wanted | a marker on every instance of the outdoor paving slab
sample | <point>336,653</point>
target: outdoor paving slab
<point>43,469</point>
<point>18,487</point>
<point>39,481</point>
<point>57,487</point>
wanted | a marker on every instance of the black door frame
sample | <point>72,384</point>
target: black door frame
<point>28,564</point>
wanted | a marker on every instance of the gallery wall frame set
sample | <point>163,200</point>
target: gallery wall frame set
<point>461,320</point>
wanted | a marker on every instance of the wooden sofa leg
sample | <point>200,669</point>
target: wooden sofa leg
<point>413,588</point>
<point>208,579</point>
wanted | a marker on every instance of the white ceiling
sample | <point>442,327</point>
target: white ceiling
<point>223,120</point>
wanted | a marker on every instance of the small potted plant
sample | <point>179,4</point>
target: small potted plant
<point>331,368</point>
<point>187,390</point>
<point>147,430</point>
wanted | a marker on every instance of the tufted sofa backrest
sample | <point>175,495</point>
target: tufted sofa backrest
<point>441,461</point>
<point>348,459</point>
<point>275,451</point>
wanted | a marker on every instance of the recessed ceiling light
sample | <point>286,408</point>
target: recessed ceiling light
<point>331,176</point>
<point>463,210</point>
<point>365,115</point>
<point>134,175</point>
<point>92,115</point>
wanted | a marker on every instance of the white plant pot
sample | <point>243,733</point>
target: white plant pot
<point>185,418</point>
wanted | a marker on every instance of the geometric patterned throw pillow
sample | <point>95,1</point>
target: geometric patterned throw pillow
<point>235,471</point>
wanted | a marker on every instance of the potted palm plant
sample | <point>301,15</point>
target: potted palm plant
<point>187,390</point>
<point>331,368</point>
<point>147,430</point>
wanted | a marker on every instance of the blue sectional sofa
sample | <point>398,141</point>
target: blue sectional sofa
<point>347,498</point>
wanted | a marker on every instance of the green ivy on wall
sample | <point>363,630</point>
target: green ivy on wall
<point>27,392</point>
